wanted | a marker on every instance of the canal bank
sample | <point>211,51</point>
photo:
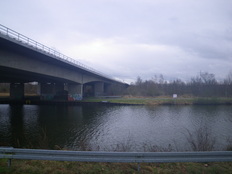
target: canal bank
<point>124,101</point>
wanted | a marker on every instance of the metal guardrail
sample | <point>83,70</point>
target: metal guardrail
<point>115,157</point>
<point>21,39</point>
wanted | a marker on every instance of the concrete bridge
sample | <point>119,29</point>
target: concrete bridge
<point>24,60</point>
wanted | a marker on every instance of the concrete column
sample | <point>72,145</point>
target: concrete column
<point>16,91</point>
<point>107,89</point>
<point>38,92</point>
<point>53,91</point>
<point>58,87</point>
<point>60,93</point>
<point>66,87</point>
<point>47,91</point>
<point>75,92</point>
<point>98,89</point>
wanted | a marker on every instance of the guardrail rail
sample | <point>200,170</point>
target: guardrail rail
<point>114,157</point>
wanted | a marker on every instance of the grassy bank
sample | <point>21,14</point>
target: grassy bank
<point>161,100</point>
<point>55,167</point>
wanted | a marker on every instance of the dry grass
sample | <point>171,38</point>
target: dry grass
<point>55,167</point>
<point>4,94</point>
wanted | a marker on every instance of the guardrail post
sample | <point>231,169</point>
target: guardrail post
<point>139,167</point>
<point>9,162</point>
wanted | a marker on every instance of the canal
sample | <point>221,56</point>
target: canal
<point>116,128</point>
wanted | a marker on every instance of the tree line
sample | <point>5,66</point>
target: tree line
<point>203,85</point>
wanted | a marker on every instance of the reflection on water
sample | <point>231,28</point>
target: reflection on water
<point>98,127</point>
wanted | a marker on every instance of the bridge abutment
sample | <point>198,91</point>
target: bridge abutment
<point>17,91</point>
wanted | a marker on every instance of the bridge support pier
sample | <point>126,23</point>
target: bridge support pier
<point>75,92</point>
<point>60,91</point>
<point>52,91</point>
<point>46,91</point>
<point>98,89</point>
<point>16,91</point>
<point>107,89</point>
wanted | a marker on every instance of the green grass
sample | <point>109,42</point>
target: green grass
<point>56,167</point>
<point>162,101</point>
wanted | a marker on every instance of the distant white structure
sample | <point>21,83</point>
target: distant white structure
<point>174,95</point>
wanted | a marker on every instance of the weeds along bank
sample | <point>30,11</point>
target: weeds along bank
<point>198,139</point>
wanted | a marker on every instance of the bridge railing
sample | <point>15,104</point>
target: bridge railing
<point>40,47</point>
<point>115,157</point>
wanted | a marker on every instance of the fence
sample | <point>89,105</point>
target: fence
<point>115,157</point>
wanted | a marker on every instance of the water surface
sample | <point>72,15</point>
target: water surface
<point>112,128</point>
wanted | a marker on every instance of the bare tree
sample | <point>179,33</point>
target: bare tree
<point>228,79</point>
<point>207,78</point>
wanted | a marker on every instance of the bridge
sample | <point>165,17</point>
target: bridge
<point>23,60</point>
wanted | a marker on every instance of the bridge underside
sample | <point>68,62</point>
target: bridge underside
<point>11,75</point>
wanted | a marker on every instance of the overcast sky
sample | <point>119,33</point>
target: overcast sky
<point>130,38</point>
